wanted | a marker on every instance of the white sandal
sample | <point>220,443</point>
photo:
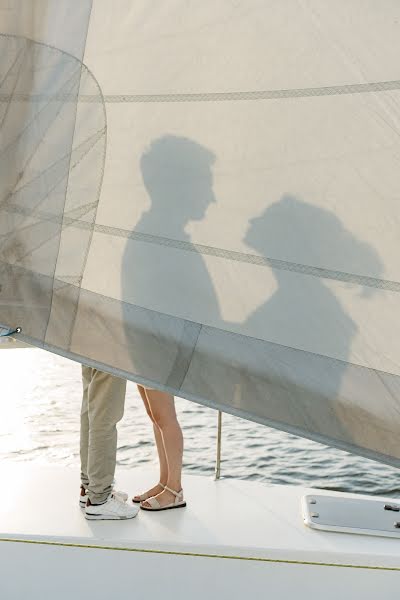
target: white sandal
<point>179,502</point>
<point>143,497</point>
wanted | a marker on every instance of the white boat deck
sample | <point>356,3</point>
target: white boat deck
<point>228,518</point>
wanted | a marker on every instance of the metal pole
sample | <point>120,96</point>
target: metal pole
<point>219,438</point>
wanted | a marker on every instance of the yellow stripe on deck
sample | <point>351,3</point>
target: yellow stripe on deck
<point>202,555</point>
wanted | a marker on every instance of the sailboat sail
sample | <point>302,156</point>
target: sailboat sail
<point>203,197</point>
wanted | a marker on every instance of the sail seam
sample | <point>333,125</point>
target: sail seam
<point>254,259</point>
<point>33,341</point>
<point>335,90</point>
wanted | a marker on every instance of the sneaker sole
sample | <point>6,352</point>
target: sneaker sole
<point>90,517</point>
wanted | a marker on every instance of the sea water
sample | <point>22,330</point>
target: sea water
<point>39,423</point>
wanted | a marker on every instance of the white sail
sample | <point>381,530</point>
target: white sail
<point>203,197</point>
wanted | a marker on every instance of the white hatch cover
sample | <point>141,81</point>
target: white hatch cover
<point>352,515</point>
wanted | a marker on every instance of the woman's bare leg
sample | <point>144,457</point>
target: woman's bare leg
<point>160,449</point>
<point>162,407</point>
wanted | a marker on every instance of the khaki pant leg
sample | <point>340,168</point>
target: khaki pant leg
<point>84,438</point>
<point>106,399</point>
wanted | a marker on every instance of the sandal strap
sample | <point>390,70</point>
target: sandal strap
<point>144,497</point>
<point>153,502</point>
<point>176,494</point>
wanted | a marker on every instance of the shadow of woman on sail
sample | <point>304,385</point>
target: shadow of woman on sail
<point>304,377</point>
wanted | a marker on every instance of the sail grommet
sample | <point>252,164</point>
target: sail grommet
<point>11,332</point>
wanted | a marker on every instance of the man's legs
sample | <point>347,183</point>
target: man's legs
<point>84,445</point>
<point>102,408</point>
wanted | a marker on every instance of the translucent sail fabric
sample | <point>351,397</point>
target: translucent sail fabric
<point>203,197</point>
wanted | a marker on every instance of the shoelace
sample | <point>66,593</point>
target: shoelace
<point>120,496</point>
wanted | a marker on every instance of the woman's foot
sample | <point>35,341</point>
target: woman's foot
<point>164,498</point>
<point>157,489</point>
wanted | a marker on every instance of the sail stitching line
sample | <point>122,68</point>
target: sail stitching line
<point>336,90</point>
<point>393,286</point>
<point>263,261</point>
<point>255,259</point>
<point>125,375</point>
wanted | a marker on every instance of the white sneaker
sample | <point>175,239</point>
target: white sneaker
<point>123,496</point>
<point>114,509</point>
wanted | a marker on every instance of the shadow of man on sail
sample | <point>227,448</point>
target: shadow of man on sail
<point>308,333</point>
<point>165,282</point>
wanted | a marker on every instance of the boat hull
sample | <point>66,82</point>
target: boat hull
<point>234,539</point>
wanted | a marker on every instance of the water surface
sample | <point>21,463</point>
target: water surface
<point>39,422</point>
